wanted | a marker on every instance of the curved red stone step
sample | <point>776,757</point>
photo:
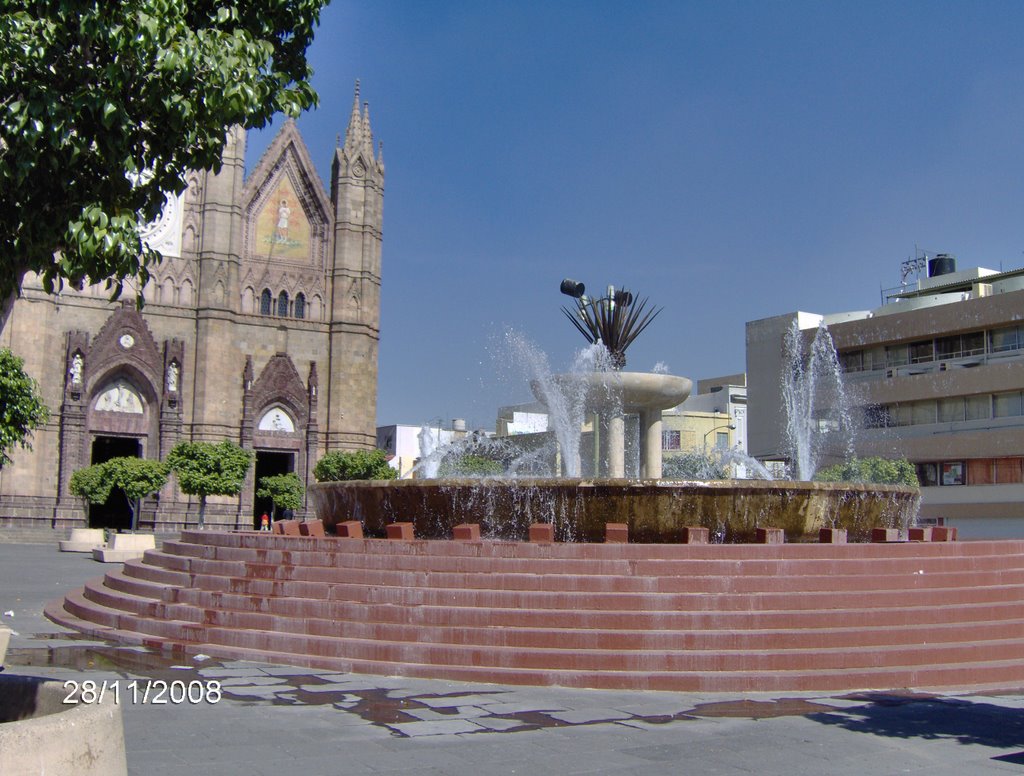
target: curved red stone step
<point>630,616</point>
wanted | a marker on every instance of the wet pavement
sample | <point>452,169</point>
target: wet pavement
<point>205,715</point>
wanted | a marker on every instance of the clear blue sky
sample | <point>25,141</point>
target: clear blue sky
<point>729,160</point>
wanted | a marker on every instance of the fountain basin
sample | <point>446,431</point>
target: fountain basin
<point>39,733</point>
<point>655,511</point>
<point>629,392</point>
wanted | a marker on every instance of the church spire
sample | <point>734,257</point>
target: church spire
<point>353,135</point>
<point>359,135</point>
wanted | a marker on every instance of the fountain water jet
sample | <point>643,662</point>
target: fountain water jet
<point>814,400</point>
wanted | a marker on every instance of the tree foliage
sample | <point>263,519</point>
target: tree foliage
<point>104,107</point>
<point>469,465</point>
<point>358,465</point>
<point>21,409</point>
<point>90,484</point>
<point>285,490</point>
<point>206,469</point>
<point>875,470</point>
<point>136,477</point>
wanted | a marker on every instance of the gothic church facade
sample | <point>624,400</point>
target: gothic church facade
<point>261,326</point>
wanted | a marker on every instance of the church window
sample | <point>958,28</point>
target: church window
<point>300,305</point>
<point>265,302</point>
<point>282,304</point>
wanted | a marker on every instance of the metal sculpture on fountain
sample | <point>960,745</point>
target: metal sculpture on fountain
<point>614,320</point>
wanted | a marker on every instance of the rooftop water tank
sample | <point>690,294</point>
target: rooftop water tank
<point>458,424</point>
<point>942,264</point>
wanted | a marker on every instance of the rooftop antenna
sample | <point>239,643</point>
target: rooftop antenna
<point>913,266</point>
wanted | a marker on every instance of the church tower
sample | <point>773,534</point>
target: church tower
<point>357,195</point>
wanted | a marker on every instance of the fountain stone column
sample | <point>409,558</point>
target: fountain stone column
<point>615,453</point>
<point>613,395</point>
<point>650,444</point>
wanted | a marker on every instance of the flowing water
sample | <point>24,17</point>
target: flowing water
<point>815,402</point>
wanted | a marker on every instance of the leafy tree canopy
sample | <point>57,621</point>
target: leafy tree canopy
<point>875,470</point>
<point>90,484</point>
<point>104,106</point>
<point>285,490</point>
<point>359,465</point>
<point>21,408</point>
<point>206,469</point>
<point>136,477</point>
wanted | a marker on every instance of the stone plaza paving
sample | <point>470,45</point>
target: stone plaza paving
<point>276,719</point>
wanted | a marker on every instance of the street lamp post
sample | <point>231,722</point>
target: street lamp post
<point>729,426</point>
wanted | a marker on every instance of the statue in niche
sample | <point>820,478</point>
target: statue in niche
<point>172,377</point>
<point>76,370</point>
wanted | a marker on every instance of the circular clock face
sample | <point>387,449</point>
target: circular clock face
<point>156,231</point>
<point>127,340</point>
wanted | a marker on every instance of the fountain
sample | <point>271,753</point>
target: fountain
<point>656,511</point>
<point>598,611</point>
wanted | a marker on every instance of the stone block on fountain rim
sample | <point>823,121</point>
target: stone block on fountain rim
<point>832,535</point>
<point>466,532</point>
<point>944,533</point>
<point>349,529</point>
<point>770,536</point>
<point>920,533</point>
<point>402,531</point>
<point>884,535</point>
<point>312,528</point>
<point>616,533</point>
<point>542,532</point>
<point>696,534</point>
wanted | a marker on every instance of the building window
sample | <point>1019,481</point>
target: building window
<point>1009,470</point>
<point>852,361</point>
<point>1007,338</point>
<point>922,413</point>
<point>282,305</point>
<point>896,355</point>
<point>923,351</point>
<point>978,407</point>
<point>265,302</point>
<point>1006,405</point>
<point>951,410</point>
<point>722,440</point>
<point>300,305</point>
<point>953,473</point>
<point>670,440</point>
<point>928,474</point>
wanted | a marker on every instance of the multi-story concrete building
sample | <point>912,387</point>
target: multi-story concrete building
<point>260,326</point>
<point>937,376</point>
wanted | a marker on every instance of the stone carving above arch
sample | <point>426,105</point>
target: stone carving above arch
<point>276,419</point>
<point>124,342</point>
<point>119,396</point>
<point>280,387</point>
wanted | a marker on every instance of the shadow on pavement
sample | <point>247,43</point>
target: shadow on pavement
<point>932,718</point>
